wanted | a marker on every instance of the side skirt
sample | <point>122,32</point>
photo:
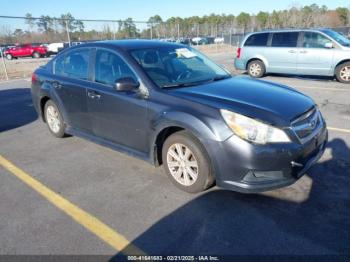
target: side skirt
<point>114,146</point>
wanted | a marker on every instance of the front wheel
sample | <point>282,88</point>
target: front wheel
<point>54,119</point>
<point>36,55</point>
<point>256,69</point>
<point>8,56</point>
<point>342,73</point>
<point>186,163</point>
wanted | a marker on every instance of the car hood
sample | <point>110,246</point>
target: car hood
<point>270,102</point>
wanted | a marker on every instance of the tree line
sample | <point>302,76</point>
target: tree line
<point>53,29</point>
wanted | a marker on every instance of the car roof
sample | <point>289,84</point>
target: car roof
<point>131,44</point>
<point>292,30</point>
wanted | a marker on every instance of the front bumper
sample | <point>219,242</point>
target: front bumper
<point>245,167</point>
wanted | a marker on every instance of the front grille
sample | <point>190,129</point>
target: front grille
<point>305,125</point>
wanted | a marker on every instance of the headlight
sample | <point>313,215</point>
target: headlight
<point>253,130</point>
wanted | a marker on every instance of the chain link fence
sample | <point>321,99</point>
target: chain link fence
<point>59,33</point>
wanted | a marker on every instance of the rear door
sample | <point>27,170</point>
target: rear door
<point>254,47</point>
<point>117,116</point>
<point>314,58</point>
<point>69,84</point>
<point>283,52</point>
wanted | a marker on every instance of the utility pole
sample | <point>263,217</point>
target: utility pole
<point>178,31</point>
<point>67,29</point>
<point>4,64</point>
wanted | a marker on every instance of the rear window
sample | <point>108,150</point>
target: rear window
<point>285,39</point>
<point>257,40</point>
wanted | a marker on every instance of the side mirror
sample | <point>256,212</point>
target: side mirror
<point>328,45</point>
<point>126,84</point>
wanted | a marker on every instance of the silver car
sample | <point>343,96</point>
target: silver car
<point>320,52</point>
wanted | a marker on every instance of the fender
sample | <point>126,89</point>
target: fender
<point>186,121</point>
<point>337,63</point>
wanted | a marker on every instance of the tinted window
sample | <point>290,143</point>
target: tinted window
<point>314,40</point>
<point>257,40</point>
<point>74,64</point>
<point>287,39</point>
<point>109,67</point>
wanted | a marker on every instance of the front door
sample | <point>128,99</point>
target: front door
<point>118,116</point>
<point>314,57</point>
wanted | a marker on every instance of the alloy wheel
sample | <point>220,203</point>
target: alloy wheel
<point>345,73</point>
<point>182,164</point>
<point>53,119</point>
<point>255,69</point>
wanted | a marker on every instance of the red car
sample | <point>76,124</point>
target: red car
<point>32,50</point>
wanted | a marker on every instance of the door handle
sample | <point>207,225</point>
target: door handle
<point>56,85</point>
<point>93,95</point>
<point>291,51</point>
<point>303,52</point>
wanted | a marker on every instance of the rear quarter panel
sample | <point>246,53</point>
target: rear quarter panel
<point>249,53</point>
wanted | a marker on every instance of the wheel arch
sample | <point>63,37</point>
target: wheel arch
<point>167,132</point>
<point>178,121</point>
<point>43,101</point>
<point>159,142</point>
<point>346,60</point>
<point>256,58</point>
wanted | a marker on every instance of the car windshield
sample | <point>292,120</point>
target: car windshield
<point>337,37</point>
<point>173,67</point>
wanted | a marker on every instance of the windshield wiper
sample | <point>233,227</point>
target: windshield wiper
<point>216,78</point>
<point>175,85</point>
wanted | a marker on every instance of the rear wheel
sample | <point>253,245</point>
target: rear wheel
<point>36,55</point>
<point>186,163</point>
<point>342,73</point>
<point>8,56</point>
<point>256,69</point>
<point>54,119</point>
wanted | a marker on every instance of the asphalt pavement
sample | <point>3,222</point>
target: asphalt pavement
<point>137,202</point>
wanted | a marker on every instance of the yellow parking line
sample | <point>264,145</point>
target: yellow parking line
<point>91,223</point>
<point>338,129</point>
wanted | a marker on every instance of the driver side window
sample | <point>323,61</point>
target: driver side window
<point>314,40</point>
<point>109,67</point>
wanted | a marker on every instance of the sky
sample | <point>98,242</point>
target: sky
<point>141,10</point>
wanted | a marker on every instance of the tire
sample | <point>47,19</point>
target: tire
<point>200,177</point>
<point>256,69</point>
<point>9,57</point>
<point>342,73</point>
<point>36,55</point>
<point>54,119</point>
